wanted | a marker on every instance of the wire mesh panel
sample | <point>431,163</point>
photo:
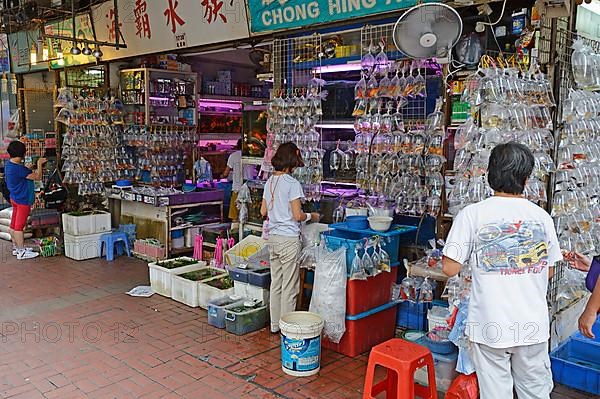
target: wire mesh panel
<point>295,62</point>
<point>377,41</point>
<point>86,81</point>
<point>37,106</point>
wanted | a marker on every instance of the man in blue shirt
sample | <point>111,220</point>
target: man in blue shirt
<point>19,180</point>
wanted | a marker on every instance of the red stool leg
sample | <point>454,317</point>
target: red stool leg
<point>431,391</point>
<point>405,387</point>
<point>368,389</point>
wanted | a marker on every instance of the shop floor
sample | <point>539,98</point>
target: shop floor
<point>69,331</point>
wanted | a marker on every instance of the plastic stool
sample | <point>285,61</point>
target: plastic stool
<point>110,240</point>
<point>401,359</point>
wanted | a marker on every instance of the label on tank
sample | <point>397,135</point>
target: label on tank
<point>301,354</point>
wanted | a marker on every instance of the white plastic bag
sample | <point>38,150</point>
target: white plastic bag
<point>13,126</point>
<point>329,291</point>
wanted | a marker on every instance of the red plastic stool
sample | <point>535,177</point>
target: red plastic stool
<point>401,359</point>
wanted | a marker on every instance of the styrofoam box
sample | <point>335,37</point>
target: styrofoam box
<point>83,247</point>
<point>234,257</point>
<point>246,290</point>
<point>207,293</point>
<point>187,291</point>
<point>161,277</point>
<point>98,222</point>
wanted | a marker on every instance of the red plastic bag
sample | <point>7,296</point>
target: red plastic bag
<point>464,387</point>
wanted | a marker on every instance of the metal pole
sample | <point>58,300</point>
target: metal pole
<point>117,29</point>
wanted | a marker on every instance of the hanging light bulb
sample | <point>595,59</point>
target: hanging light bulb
<point>33,54</point>
<point>75,50</point>
<point>97,52</point>
<point>45,52</point>
<point>13,83</point>
<point>86,50</point>
<point>4,83</point>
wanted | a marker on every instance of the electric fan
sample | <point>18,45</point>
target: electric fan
<point>428,30</point>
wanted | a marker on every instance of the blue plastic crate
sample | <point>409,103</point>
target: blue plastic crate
<point>341,235</point>
<point>576,363</point>
<point>412,316</point>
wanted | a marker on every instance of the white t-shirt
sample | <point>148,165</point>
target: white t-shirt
<point>279,192</point>
<point>239,173</point>
<point>510,244</point>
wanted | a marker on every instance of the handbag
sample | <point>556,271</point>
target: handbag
<point>55,193</point>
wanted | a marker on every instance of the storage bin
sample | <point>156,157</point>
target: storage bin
<point>443,347</point>
<point>87,223</point>
<point>240,323</point>
<point>83,247</point>
<point>365,330</point>
<point>260,277</point>
<point>390,239</point>
<point>362,295</point>
<point>216,309</point>
<point>445,371</point>
<point>251,249</point>
<point>249,291</point>
<point>161,279</point>
<point>413,316</point>
<point>238,274</point>
<point>595,330</point>
<point>208,292</point>
<point>436,317</point>
<point>576,363</point>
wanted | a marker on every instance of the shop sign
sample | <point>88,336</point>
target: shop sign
<point>153,26</point>
<point>4,53</point>
<point>274,15</point>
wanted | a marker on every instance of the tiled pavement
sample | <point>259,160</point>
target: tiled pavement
<point>67,330</point>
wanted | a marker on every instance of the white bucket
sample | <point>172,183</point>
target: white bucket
<point>301,343</point>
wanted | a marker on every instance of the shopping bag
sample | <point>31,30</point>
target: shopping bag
<point>464,387</point>
<point>13,126</point>
<point>55,193</point>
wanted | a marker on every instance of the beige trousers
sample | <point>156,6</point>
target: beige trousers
<point>285,276</point>
<point>526,368</point>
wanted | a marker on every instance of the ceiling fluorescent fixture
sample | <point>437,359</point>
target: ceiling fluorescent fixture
<point>338,68</point>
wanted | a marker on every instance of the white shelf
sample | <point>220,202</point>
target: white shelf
<point>252,161</point>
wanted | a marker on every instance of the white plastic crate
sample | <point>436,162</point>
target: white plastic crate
<point>82,247</point>
<point>161,277</point>
<point>92,223</point>
<point>186,291</point>
<point>235,255</point>
<point>207,293</point>
<point>249,291</point>
<point>445,371</point>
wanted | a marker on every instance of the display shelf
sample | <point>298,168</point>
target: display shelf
<point>252,161</point>
<point>208,221</point>
<point>177,251</point>
<point>195,205</point>
<point>233,99</point>
<point>330,62</point>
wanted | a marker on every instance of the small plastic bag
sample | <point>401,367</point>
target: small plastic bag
<point>13,126</point>
<point>408,289</point>
<point>357,270</point>
<point>464,387</point>
<point>426,291</point>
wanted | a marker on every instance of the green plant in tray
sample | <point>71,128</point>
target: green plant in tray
<point>175,263</point>
<point>201,274</point>
<point>223,283</point>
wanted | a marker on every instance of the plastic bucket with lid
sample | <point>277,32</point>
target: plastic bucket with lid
<point>301,343</point>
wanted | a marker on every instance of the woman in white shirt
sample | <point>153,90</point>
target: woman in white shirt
<point>282,206</point>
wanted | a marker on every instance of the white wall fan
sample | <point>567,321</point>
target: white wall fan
<point>428,30</point>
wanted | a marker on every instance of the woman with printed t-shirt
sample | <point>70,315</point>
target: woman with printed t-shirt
<point>511,245</point>
<point>282,206</point>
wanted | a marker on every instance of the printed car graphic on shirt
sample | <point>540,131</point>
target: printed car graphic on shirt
<point>511,246</point>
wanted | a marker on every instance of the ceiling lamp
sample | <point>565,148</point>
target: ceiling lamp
<point>13,83</point>
<point>97,52</point>
<point>4,83</point>
<point>45,52</point>
<point>86,50</point>
<point>75,50</point>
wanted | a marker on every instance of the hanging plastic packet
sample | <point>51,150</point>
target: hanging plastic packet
<point>396,292</point>
<point>384,259</point>
<point>426,291</point>
<point>408,289</point>
<point>367,262</point>
<point>357,271</point>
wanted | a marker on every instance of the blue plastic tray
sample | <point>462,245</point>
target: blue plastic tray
<point>595,330</point>
<point>576,364</point>
<point>395,230</point>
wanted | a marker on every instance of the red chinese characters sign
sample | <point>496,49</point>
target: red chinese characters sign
<point>173,19</point>
<point>142,22</point>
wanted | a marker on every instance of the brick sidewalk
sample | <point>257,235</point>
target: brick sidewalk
<point>69,331</point>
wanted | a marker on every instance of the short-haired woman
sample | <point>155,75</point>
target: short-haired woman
<point>282,206</point>
<point>19,180</point>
